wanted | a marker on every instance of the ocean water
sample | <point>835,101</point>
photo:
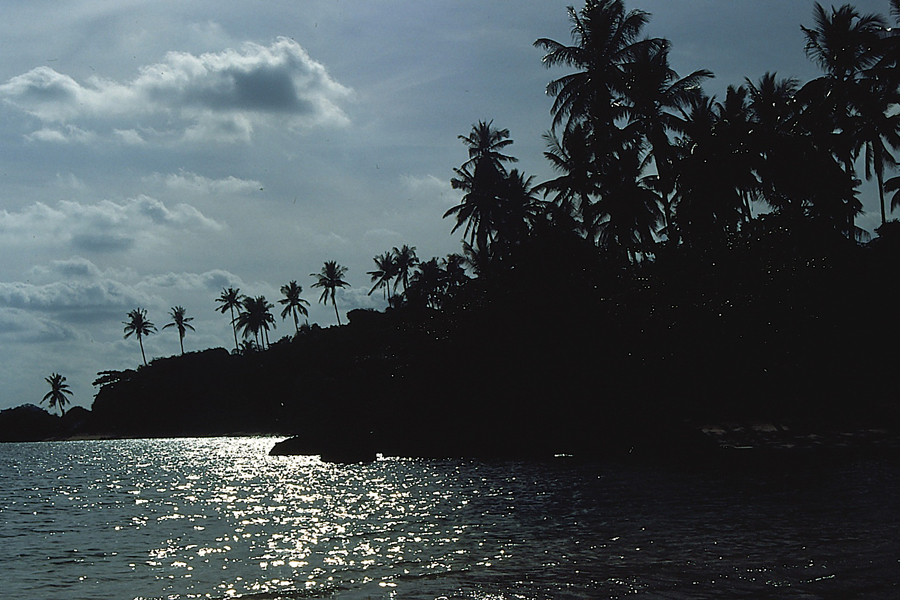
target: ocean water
<point>218,518</point>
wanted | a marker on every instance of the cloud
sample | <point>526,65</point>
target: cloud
<point>213,280</point>
<point>102,227</point>
<point>68,134</point>
<point>66,296</point>
<point>19,326</point>
<point>429,188</point>
<point>186,181</point>
<point>211,97</point>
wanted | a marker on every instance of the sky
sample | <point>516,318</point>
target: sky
<point>154,152</point>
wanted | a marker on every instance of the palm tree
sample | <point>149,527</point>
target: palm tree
<point>330,279</point>
<point>628,211</point>
<point>605,37</point>
<point>878,130</point>
<point>138,325</point>
<point>293,303</point>
<point>577,185</point>
<point>653,91</point>
<point>231,299</point>
<point>714,171</point>
<point>776,141</point>
<point>405,260</point>
<point>844,44</point>
<point>429,283</point>
<point>484,143</point>
<point>255,317</point>
<point>56,397</point>
<point>181,322</point>
<point>385,271</point>
<point>480,178</point>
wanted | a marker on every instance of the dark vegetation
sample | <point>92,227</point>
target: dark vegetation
<point>702,255</point>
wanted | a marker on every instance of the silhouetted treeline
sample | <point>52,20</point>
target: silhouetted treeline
<point>640,289</point>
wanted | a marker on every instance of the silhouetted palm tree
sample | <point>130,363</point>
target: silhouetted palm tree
<point>484,143</point>
<point>653,91</point>
<point>454,267</point>
<point>56,397</point>
<point>429,283</point>
<point>844,43</point>
<point>878,131</point>
<point>776,141</point>
<point>138,325</point>
<point>330,279</point>
<point>517,210</point>
<point>255,318</point>
<point>480,178</point>
<point>405,260</point>
<point>181,322</point>
<point>605,37</point>
<point>385,271</point>
<point>293,303</point>
<point>628,210</point>
<point>230,300</point>
<point>577,185</point>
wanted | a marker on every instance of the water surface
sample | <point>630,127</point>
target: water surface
<point>218,518</point>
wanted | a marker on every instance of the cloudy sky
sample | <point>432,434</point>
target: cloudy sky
<point>154,152</point>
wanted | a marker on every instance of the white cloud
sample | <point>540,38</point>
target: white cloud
<point>186,181</point>
<point>431,189</point>
<point>211,97</point>
<point>105,226</point>
<point>63,296</point>
<point>68,134</point>
<point>130,137</point>
<point>213,280</point>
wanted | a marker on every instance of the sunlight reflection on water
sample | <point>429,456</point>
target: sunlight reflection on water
<point>219,518</point>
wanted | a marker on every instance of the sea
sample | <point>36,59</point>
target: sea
<point>219,518</point>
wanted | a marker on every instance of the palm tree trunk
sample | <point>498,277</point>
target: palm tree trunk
<point>141,342</point>
<point>336,314</point>
<point>879,177</point>
<point>181,340</point>
<point>234,329</point>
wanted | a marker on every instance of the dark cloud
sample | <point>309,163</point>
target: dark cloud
<point>102,242</point>
<point>215,96</point>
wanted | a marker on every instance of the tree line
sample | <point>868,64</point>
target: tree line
<point>645,159</point>
<point>646,162</point>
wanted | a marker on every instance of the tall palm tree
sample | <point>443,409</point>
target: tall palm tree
<point>181,322</point>
<point>385,271</point>
<point>518,209</point>
<point>714,170</point>
<point>293,303</point>
<point>405,260</point>
<point>254,319</point>
<point>231,299</point>
<point>577,184</point>
<point>429,283</point>
<point>878,131</point>
<point>844,44</point>
<point>56,397</point>
<point>138,325</point>
<point>652,94</point>
<point>480,178</point>
<point>484,143</point>
<point>628,212</point>
<point>605,37</point>
<point>776,141</point>
<point>330,279</point>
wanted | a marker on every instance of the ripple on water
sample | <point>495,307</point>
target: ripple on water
<point>219,518</point>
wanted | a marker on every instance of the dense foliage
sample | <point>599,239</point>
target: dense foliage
<point>702,253</point>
